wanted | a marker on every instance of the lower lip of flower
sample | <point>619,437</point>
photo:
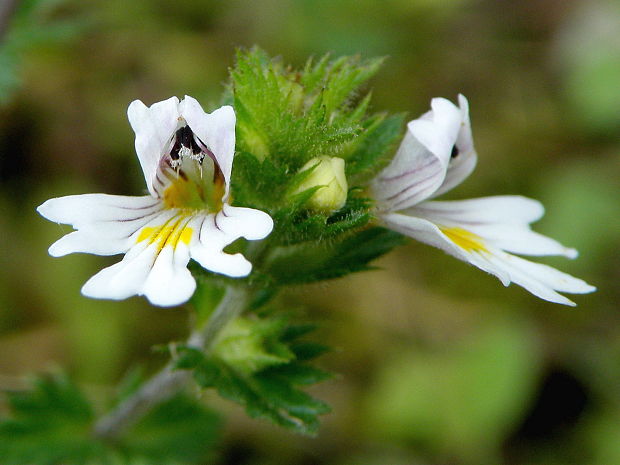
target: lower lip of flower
<point>168,234</point>
<point>466,240</point>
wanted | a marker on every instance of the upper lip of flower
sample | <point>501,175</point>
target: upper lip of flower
<point>170,131</point>
<point>179,220</point>
<point>436,154</point>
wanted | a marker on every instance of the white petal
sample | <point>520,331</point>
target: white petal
<point>78,210</point>
<point>170,282</point>
<point>419,166</point>
<point>512,209</point>
<point>123,229</point>
<point>460,166</point>
<point>501,221</point>
<point>80,242</point>
<point>105,223</point>
<point>154,127</point>
<point>123,279</point>
<point>541,280</point>
<point>217,231</point>
<point>438,129</point>
<point>427,232</point>
<point>233,265</point>
<point>521,240</point>
<point>159,273</point>
<point>208,247</point>
<point>244,222</point>
<point>216,130</point>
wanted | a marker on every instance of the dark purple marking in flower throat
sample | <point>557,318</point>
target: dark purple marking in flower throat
<point>184,137</point>
<point>187,144</point>
<point>455,151</point>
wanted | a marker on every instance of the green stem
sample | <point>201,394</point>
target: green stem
<point>169,381</point>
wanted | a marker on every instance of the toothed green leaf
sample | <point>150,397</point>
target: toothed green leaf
<point>52,422</point>
<point>285,118</point>
<point>305,264</point>
<point>260,363</point>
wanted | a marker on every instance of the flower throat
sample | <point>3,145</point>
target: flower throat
<point>185,145</point>
<point>188,188</point>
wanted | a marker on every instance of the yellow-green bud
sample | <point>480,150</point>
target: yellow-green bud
<point>327,172</point>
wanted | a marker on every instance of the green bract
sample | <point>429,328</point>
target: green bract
<point>285,119</point>
<point>261,363</point>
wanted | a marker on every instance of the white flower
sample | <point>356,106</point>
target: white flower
<point>186,156</point>
<point>436,154</point>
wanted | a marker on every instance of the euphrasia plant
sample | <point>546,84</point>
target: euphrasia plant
<point>291,181</point>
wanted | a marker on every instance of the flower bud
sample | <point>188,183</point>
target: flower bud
<point>328,173</point>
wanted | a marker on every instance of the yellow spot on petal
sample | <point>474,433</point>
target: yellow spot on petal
<point>167,234</point>
<point>146,233</point>
<point>466,240</point>
<point>186,235</point>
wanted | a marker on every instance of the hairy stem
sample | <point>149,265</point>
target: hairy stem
<point>169,381</point>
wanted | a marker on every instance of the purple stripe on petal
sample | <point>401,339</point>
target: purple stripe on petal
<point>407,173</point>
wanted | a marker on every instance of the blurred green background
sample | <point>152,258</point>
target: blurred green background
<point>437,362</point>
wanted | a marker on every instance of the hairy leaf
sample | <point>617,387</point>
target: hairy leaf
<point>51,424</point>
<point>304,264</point>
<point>286,117</point>
<point>260,363</point>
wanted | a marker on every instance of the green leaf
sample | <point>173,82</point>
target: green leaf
<point>373,148</point>
<point>256,364</point>
<point>308,350</point>
<point>285,118</point>
<point>304,264</point>
<point>297,374</point>
<point>258,184</point>
<point>177,431</point>
<point>51,424</point>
